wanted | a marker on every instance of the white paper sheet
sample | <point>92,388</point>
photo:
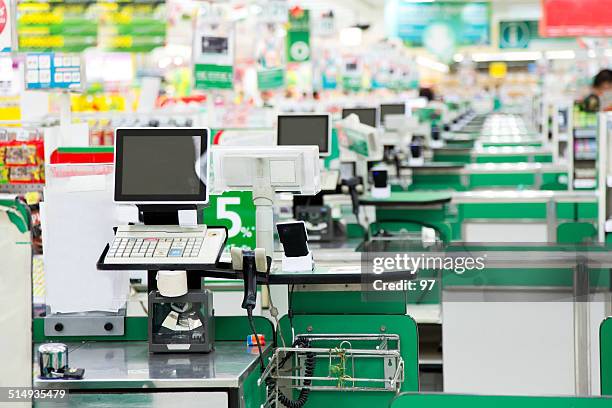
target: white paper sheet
<point>76,227</point>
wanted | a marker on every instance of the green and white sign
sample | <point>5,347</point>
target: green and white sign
<point>272,78</point>
<point>354,141</point>
<point>235,211</point>
<point>517,34</point>
<point>209,76</point>
<point>213,48</point>
<point>525,34</point>
<point>351,83</point>
<point>298,36</point>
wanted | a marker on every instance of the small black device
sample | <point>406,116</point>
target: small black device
<point>435,133</point>
<point>294,238</point>
<point>416,149</point>
<point>352,184</point>
<point>380,178</point>
<point>391,109</point>
<point>215,45</point>
<point>318,221</point>
<point>367,116</point>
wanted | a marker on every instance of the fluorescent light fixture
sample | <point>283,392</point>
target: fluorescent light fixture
<point>458,57</point>
<point>351,36</point>
<point>507,56</point>
<point>431,64</point>
<point>560,54</point>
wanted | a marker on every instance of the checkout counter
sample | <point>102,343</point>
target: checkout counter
<point>365,345</point>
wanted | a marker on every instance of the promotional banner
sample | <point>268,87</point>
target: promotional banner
<point>54,26</point>
<point>131,25</point>
<point>352,74</point>
<point>213,49</point>
<point>575,18</point>
<point>53,71</point>
<point>270,49</point>
<point>72,26</point>
<point>438,24</point>
<point>236,211</point>
<point>298,35</point>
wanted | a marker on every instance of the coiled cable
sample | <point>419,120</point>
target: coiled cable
<point>309,367</point>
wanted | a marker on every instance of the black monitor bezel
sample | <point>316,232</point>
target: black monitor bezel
<point>328,142</point>
<point>363,108</point>
<point>119,197</point>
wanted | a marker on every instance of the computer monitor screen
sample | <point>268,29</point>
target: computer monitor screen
<point>391,109</point>
<point>367,116</point>
<point>305,130</point>
<point>161,165</point>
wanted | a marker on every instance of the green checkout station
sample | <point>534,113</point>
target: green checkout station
<point>516,313</point>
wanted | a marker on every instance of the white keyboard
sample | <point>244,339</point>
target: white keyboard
<point>165,244</point>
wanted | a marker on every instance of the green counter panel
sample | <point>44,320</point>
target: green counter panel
<point>502,180</point>
<point>345,302</point>
<point>565,211</point>
<point>436,182</point>
<point>538,158</point>
<point>449,156</point>
<point>423,182</point>
<point>229,328</point>
<point>404,326</point>
<point>488,401</point>
<point>511,144</point>
<point>605,349</point>
<point>502,210</point>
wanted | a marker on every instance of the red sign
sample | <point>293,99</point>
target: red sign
<point>576,18</point>
<point>3,15</point>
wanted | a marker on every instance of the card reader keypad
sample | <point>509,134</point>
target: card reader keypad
<point>155,247</point>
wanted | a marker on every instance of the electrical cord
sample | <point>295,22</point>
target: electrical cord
<point>254,330</point>
<point>309,367</point>
<point>274,314</point>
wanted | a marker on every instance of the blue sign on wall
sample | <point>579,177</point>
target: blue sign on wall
<point>48,70</point>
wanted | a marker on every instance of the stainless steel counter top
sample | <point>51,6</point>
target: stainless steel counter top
<point>524,196</point>
<point>510,150</point>
<point>128,365</point>
<point>502,168</point>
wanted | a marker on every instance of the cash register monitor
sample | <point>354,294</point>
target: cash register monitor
<point>305,130</point>
<point>367,116</point>
<point>161,165</point>
<point>163,170</point>
<point>391,109</point>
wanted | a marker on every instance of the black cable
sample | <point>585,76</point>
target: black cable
<point>309,367</point>
<point>252,324</point>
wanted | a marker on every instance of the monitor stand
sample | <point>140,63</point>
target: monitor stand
<point>162,214</point>
<point>166,214</point>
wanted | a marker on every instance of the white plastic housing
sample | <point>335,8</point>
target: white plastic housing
<point>357,139</point>
<point>283,168</point>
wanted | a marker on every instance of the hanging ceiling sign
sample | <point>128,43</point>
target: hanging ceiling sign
<point>213,49</point>
<point>574,18</point>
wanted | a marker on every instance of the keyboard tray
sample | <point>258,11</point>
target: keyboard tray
<point>102,265</point>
